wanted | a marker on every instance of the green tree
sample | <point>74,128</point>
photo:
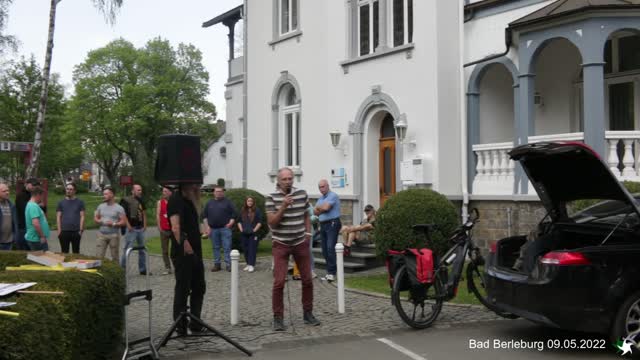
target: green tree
<point>127,97</point>
<point>19,96</point>
<point>109,9</point>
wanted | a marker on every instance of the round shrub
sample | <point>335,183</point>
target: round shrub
<point>237,197</point>
<point>409,207</point>
<point>632,186</point>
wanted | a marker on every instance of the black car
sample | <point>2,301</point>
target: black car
<point>575,271</point>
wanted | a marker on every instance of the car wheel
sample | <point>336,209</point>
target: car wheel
<point>626,325</point>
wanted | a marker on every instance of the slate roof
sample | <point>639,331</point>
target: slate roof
<point>563,8</point>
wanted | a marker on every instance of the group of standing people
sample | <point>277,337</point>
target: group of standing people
<point>24,226</point>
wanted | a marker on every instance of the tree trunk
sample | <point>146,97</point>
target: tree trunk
<point>32,169</point>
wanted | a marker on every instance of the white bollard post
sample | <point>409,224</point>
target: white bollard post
<point>235,256</point>
<point>340,266</point>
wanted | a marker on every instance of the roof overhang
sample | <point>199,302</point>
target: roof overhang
<point>230,16</point>
<point>563,9</point>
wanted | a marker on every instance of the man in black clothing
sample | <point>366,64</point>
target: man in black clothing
<point>186,253</point>
<point>22,198</point>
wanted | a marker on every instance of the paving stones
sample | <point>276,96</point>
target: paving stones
<point>365,314</point>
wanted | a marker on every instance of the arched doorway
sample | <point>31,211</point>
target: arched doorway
<point>387,158</point>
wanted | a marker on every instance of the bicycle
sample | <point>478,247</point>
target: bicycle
<point>428,297</point>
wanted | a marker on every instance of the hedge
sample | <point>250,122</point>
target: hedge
<point>409,207</point>
<point>84,323</point>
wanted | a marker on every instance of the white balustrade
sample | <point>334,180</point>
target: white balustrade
<point>494,169</point>
<point>628,142</point>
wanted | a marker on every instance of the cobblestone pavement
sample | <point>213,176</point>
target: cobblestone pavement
<point>365,314</point>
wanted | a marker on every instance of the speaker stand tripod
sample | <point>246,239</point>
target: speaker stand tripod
<point>186,315</point>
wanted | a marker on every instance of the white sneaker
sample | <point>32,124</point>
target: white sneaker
<point>328,277</point>
<point>251,269</point>
<point>246,268</point>
<point>314,275</point>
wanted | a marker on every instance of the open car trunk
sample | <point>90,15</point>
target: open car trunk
<point>561,173</point>
<point>521,254</point>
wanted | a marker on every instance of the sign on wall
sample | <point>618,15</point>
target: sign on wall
<point>338,178</point>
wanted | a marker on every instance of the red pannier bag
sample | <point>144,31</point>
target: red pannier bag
<point>419,263</point>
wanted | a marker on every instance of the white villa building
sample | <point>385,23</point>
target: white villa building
<point>381,95</point>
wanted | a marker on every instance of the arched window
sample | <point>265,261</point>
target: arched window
<point>290,124</point>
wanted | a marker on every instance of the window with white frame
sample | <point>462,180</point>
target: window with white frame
<point>288,16</point>
<point>402,18</point>
<point>290,124</point>
<point>382,24</point>
<point>368,26</point>
<point>622,83</point>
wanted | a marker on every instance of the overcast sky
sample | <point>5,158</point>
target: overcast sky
<point>80,28</point>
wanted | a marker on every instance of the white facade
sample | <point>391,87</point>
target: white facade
<point>309,74</point>
<point>333,88</point>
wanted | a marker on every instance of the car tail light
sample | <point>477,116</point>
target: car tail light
<point>564,258</point>
<point>493,247</point>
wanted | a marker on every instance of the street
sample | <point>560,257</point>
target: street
<point>449,342</point>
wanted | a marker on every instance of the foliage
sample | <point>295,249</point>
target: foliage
<point>126,97</point>
<point>578,205</point>
<point>84,323</point>
<point>20,88</point>
<point>237,197</point>
<point>414,206</point>
<point>220,182</point>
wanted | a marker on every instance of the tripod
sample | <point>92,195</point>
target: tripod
<point>186,315</point>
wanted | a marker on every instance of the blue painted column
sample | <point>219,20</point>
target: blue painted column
<point>525,122</point>
<point>473,135</point>
<point>518,172</point>
<point>594,122</point>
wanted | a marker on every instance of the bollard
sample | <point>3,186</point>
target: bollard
<point>340,274</point>
<point>235,256</point>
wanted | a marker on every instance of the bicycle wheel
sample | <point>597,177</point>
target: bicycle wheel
<point>418,307</point>
<point>476,285</point>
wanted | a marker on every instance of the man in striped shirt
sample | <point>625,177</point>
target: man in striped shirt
<point>291,232</point>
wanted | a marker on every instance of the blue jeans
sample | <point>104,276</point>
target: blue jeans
<point>137,235</point>
<point>221,237</point>
<point>329,232</point>
<point>37,246</point>
<point>6,246</point>
<point>21,243</point>
<point>250,247</point>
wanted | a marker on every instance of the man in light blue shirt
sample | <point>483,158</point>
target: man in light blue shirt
<point>328,211</point>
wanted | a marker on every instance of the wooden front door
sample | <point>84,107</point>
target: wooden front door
<point>387,168</point>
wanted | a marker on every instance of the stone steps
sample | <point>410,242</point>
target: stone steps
<point>362,257</point>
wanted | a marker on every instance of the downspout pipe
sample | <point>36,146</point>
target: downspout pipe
<point>508,40</point>
<point>245,102</point>
<point>463,123</point>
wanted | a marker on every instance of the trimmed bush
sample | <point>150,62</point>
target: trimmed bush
<point>237,197</point>
<point>409,207</point>
<point>84,323</point>
<point>579,205</point>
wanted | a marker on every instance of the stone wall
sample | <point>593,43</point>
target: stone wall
<point>346,210</point>
<point>502,218</point>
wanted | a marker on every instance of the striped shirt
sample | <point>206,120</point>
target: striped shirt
<point>290,231</point>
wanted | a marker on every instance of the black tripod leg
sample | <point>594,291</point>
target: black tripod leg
<point>172,329</point>
<point>218,333</point>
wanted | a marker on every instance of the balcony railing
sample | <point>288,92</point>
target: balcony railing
<point>495,170</point>
<point>623,157</point>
